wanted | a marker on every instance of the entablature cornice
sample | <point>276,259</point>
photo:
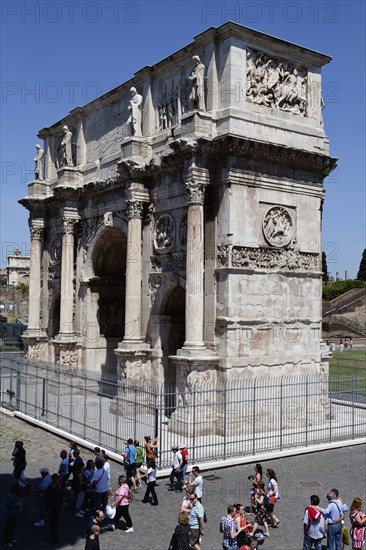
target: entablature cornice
<point>214,150</point>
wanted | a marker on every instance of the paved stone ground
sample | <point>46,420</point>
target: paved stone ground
<point>299,477</point>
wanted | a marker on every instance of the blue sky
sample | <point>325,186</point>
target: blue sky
<point>56,55</point>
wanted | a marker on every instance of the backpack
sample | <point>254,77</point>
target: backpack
<point>130,495</point>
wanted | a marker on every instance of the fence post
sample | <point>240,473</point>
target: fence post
<point>85,408</point>
<point>194,422</point>
<point>353,406</point>
<point>116,420</point>
<point>134,412</point>
<point>225,418</point>
<point>306,409</point>
<point>17,390</point>
<point>43,397</point>
<point>254,418</point>
<point>58,397</point>
<point>281,413</point>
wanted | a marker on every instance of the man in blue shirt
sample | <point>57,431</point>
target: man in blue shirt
<point>333,514</point>
<point>130,462</point>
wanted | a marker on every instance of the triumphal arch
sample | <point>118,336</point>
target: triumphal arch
<point>175,221</point>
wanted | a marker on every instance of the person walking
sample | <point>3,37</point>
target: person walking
<point>176,471</point>
<point>13,507</point>
<point>314,528</point>
<point>186,503</point>
<point>41,494</point>
<point>196,522</point>
<point>19,464</point>
<point>196,482</point>
<point>358,522</point>
<point>333,516</point>
<point>185,454</point>
<point>262,516</point>
<point>130,462</point>
<point>241,521</point>
<point>89,471</point>
<point>139,461</point>
<point>63,472</point>
<point>151,481</point>
<point>180,538</point>
<point>151,449</point>
<point>258,474</point>
<point>53,500</point>
<point>273,495</point>
<point>229,530</point>
<point>122,503</point>
<point>100,487</point>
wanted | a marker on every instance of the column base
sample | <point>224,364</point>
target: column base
<point>195,349</point>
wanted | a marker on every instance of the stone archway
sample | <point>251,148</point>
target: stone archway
<point>107,286</point>
<point>172,331</point>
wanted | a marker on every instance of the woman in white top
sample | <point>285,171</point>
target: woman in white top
<point>272,494</point>
<point>151,479</point>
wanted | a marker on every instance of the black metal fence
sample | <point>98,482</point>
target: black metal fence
<point>216,421</point>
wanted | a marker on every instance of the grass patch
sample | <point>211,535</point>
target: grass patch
<point>347,372</point>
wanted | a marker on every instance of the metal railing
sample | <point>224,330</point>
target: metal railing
<point>217,421</point>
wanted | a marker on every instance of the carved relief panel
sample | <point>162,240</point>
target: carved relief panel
<point>276,83</point>
<point>164,234</point>
<point>278,226</point>
<point>168,104</point>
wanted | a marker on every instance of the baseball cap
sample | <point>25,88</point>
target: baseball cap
<point>44,470</point>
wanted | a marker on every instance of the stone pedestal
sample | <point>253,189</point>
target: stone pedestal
<point>39,188</point>
<point>134,147</point>
<point>35,344</point>
<point>134,361</point>
<point>68,351</point>
<point>68,176</point>
<point>197,123</point>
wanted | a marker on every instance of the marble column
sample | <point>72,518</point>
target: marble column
<point>67,277</point>
<point>195,267</point>
<point>36,232</point>
<point>133,272</point>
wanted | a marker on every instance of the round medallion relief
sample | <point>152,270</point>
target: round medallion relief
<point>164,234</point>
<point>278,227</point>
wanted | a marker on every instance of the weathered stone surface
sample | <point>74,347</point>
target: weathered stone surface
<point>180,221</point>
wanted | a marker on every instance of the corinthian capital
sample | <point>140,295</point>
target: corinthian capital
<point>69,225</point>
<point>196,192</point>
<point>134,209</point>
<point>36,230</point>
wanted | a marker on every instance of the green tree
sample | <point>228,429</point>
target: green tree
<point>361,275</point>
<point>325,267</point>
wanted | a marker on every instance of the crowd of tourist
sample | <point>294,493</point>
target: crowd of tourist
<point>87,488</point>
